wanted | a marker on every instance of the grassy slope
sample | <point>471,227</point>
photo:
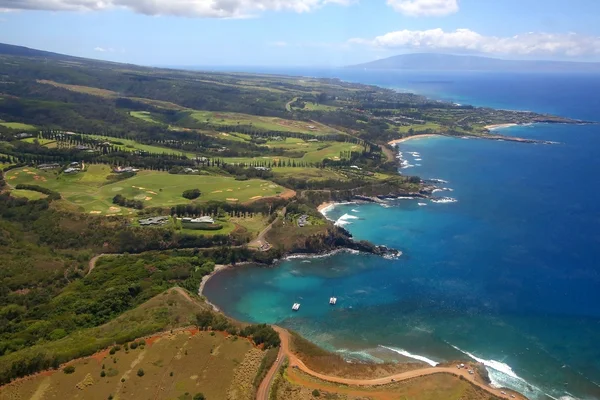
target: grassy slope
<point>18,125</point>
<point>89,190</point>
<point>200,363</point>
<point>268,123</point>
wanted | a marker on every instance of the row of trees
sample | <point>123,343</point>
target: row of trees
<point>129,203</point>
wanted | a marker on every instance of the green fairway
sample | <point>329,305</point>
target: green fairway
<point>132,145</point>
<point>419,128</point>
<point>49,143</point>
<point>266,123</point>
<point>308,173</point>
<point>319,107</point>
<point>28,194</point>
<point>89,191</point>
<point>314,152</point>
<point>18,125</point>
<point>144,115</point>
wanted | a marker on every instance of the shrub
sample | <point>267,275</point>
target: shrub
<point>102,374</point>
<point>191,194</point>
<point>140,372</point>
<point>69,369</point>
<point>316,393</point>
<point>199,396</point>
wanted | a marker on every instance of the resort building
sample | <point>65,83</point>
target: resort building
<point>154,221</point>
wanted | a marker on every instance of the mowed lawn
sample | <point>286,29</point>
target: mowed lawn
<point>132,145</point>
<point>314,152</point>
<point>17,125</point>
<point>144,115</point>
<point>49,143</point>
<point>89,190</point>
<point>267,123</point>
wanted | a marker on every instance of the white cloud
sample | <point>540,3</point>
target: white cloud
<point>278,44</point>
<point>569,44</point>
<point>189,8</point>
<point>104,49</point>
<point>417,8</point>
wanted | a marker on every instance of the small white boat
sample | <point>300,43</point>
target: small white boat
<point>333,300</point>
<point>296,307</point>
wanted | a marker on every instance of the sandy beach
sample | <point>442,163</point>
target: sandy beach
<point>429,135</point>
<point>323,206</point>
<point>499,126</point>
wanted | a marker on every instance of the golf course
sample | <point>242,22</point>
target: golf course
<point>91,192</point>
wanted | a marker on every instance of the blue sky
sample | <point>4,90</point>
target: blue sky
<point>301,32</point>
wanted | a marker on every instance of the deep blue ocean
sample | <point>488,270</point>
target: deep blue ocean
<point>509,274</point>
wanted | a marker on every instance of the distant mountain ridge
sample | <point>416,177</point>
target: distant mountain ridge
<point>448,62</point>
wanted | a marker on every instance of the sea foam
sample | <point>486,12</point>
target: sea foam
<point>345,220</point>
<point>502,375</point>
<point>443,200</point>
<point>413,356</point>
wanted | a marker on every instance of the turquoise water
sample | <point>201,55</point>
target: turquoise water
<point>508,273</point>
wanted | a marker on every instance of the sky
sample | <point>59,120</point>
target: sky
<point>301,32</point>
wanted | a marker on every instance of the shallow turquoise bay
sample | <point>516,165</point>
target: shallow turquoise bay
<point>508,274</point>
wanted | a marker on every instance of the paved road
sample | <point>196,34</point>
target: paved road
<point>265,385</point>
<point>295,362</point>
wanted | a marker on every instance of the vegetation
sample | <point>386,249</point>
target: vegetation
<point>106,145</point>
<point>191,194</point>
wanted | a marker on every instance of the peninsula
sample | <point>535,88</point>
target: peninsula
<point>175,172</point>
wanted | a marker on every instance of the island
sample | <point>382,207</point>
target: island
<point>124,187</point>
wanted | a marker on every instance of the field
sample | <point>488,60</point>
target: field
<point>92,193</point>
<point>81,89</point>
<point>319,107</point>
<point>28,194</point>
<point>420,127</point>
<point>132,145</point>
<point>17,125</point>
<point>185,361</point>
<point>267,123</point>
<point>315,152</point>
<point>51,144</point>
<point>144,115</point>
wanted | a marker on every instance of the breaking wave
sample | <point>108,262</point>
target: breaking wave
<point>410,355</point>
<point>443,200</point>
<point>324,255</point>
<point>502,375</point>
<point>345,220</point>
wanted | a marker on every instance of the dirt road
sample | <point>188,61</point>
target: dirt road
<point>265,385</point>
<point>295,362</point>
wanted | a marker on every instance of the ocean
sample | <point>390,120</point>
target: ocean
<point>506,272</point>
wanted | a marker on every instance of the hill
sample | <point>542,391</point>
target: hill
<point>448,62</point>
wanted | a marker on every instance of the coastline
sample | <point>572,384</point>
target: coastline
<point>324,207</point>
<point>428,135</point>
<point>499,126</point>
<point>205,279</point>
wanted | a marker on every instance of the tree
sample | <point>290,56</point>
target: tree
<point>316,393</point>
<point>191,194</point>
<point>140,372</point>
<point>199,396</point>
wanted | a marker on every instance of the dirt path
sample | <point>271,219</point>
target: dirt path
<point>265,385</point>
<point>295,362</point>
<point>94,260</point>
